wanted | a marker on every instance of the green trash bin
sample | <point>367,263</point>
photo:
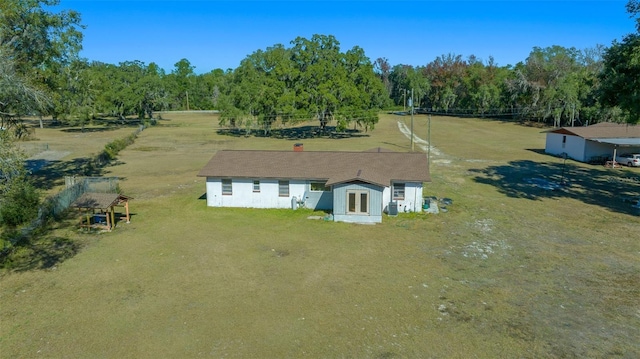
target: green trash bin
<point>426,203</point>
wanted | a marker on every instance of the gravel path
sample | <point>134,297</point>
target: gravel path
<point>423,144</point>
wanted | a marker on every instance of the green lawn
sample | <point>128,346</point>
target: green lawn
<point>511,270</point>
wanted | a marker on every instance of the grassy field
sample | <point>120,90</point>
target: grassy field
<point>59,151</point>
<point>510,271</point>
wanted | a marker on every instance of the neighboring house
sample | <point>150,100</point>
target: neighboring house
<point>355,186</point>
<point>593,143</point>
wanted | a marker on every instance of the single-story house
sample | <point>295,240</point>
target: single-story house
<point>354,186</point>
<point>593,143</point>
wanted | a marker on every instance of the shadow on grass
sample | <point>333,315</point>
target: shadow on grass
<point>52,174</point>
<point>614,189</point>
<point>43,251</point>
<point>96,125</point>
<point>296,133</point>
<point>539,151</point>
<point>394,145</point>
<point>89,129</point>
<point>39,253</point>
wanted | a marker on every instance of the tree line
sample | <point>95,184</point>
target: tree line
<point>555,85</point>
<point>312,79</point>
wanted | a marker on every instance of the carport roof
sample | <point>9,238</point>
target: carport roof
<point>628,142</point>
<point>625,133</point>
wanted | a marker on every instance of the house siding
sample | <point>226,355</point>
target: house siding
<point>244,196</point>
<point>318,200</point>
<point>574,146</point>
<point>340,203</point>
<point>412,201</point>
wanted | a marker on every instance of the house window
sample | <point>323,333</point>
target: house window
<point>564,141</point>
<point>283,188</point>
<point>318,187</point>
<point>256,186</point>
<point>358,202</point>
<point>398,191</point>
<point>227,187</point>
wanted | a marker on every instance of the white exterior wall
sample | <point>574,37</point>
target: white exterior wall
<point>594,149</point>
<point>577,147</point>
<point>574,146</point>
<point>243,195</point>
<point>412,201</point>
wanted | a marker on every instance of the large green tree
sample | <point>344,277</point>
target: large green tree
<point>555,84</point>
<point>633,8</point>
<point>319,75</point>
<point>40,44</point>
<point>399,81</point>
<point>241,104</point>
<point>446,74</point>
<point>130,89</point>
<point>484,84</point>
<point>78,90</point>
<point>555,70</point>
<point>311,80</point>
<point>39,38</point>
<point>19,199</point>
<point>179,82</point>
<point>17,96</point>
<point>362,93</point>
<point>620,78</point>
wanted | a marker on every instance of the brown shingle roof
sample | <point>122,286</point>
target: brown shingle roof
<point>335,167</point>
<point>97,200</point>
<point>602,130</point>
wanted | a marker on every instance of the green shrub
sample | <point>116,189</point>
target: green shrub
<point>112,148</point>
<point>19,204</point>
<point>37,250</point>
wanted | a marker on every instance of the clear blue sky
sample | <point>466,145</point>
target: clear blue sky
<point>219,34</point>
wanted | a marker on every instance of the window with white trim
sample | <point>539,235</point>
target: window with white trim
<point>398,190</point>
<point>227,187</point>
<point>283,188</point>
<point>357,202</point>
<point>256,186</point>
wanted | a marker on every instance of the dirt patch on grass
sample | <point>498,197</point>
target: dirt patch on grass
<point>43,159</point>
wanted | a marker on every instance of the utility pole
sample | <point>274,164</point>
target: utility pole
<point>187,92</point>
<point>404,100</point>
<point>411,105</point>
<point>429,144</point>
